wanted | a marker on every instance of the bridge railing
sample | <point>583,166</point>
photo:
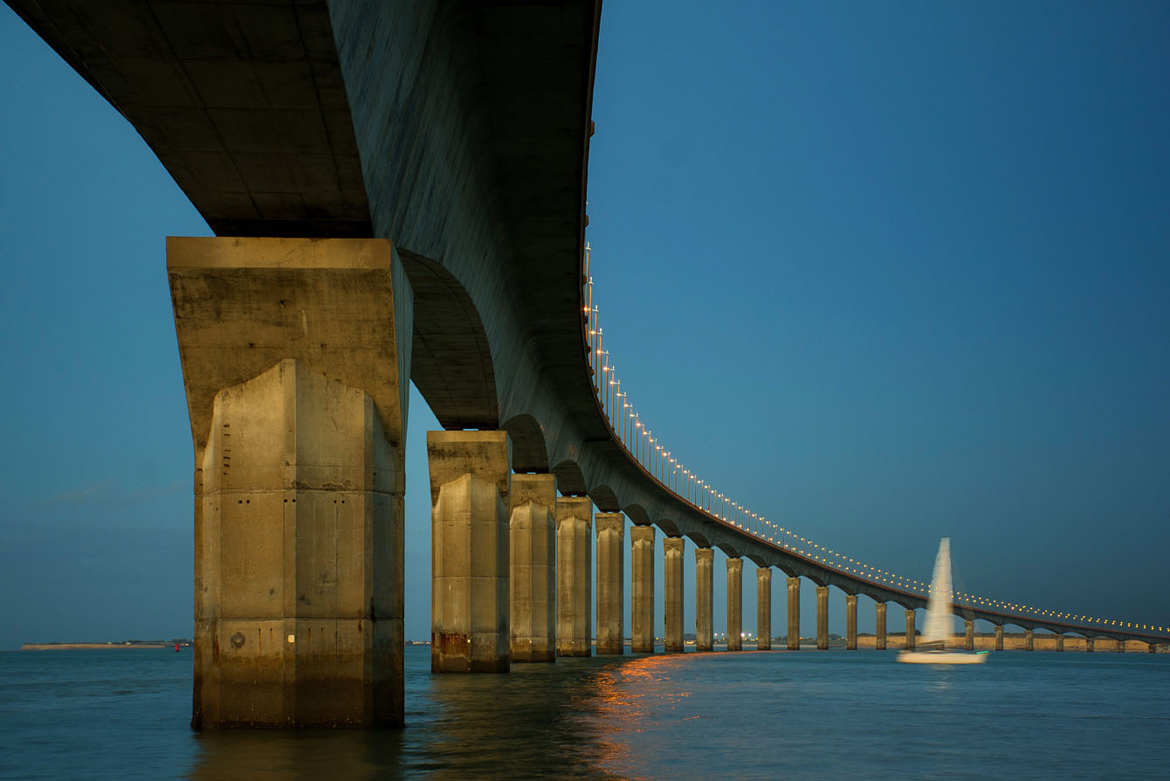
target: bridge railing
<point>664,466</point>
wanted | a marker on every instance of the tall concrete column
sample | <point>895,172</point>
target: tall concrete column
<point>911,637</point>
<point>574,575</point>
<point>642,589</point>
<point>704,601</point>
<point>851,622</point>
<point>1059,642</point>
<point>532,545</point>
<point>611,630</point>
<point>822,618</point>
<point>734,604</point>
<point>1027,639</point>
<point>998,638</point>
<point>471,475</point>
<point>763,608</point>
<point>298,417</point>
<point>672,554</point>
<point>794,613</point>
<point>1090,646</point>
<point>969,634</point>
<point>880,629</point>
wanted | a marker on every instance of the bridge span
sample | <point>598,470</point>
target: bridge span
<point>398,193</point>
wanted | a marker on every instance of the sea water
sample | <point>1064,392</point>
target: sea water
<point>808,714</point>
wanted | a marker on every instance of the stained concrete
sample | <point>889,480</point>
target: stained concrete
<point>704,599</point>
<point>763,609</point>
<point>793,614</point>
<point>880,634</point>
<point>642,589</point>
<point>1029,643</point>
<point>532,586</point>
<point>471,475</point>
<point>911,632</point>
<point>672,554</point>
<point>1060,642</point>
<point>822,618</point>
<point>611,532</point>
<point>999,638</point>
<point>574,575</point>
<point>734,603</point>
<point>851,622</point>
<point>295,355</point>
<point>969,634</point>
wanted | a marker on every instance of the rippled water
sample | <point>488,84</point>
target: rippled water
<point>103,714</point>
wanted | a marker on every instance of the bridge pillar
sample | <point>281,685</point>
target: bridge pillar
<point>1090,645</point>
<point>880,629</point>
<point>470,485</point>
<point>734,604</point>
<point>763,608</point>
<point>672,554</point>
<point>532,545</point>
<point>611,634</point>
<point>574,575</point>
<point>1120,646</point>
<point>642,589</point>
<point>794,613</point>
<point>910,631</point>
<point>998,638</point>
<point>850,622</point>
<point>822,618</point>
<point>969,634</point>
<point>1153,647</point>
<point>704,601</point>
<point>1060,642</point>
<point>1028,640</point>
<point>298,476</point>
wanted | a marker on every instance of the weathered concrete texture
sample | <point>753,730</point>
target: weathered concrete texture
<point>704,599</point>
<point>470,475</point>
<point>298,476</point>
<point>969,634</point>
<point>910,630</point>
<point>611,532</point>
<point>793,614</point>
<point>880,635</point>
<point>532,588</point>
<point>642,589</point>
<point>1028,641</point>
<point>999,638</point>
<point>574,575</point>
<point>1060,642</point>
<point>763,608</point>
<point>822,618</point>
<point>850,622</point>
<point>672,554</point>
<point>734,604</point>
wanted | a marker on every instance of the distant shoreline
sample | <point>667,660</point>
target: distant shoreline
<point>150,644</point>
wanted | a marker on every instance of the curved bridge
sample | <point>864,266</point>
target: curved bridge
<point>400,191</point>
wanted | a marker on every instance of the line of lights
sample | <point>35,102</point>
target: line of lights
<point>644,447</point>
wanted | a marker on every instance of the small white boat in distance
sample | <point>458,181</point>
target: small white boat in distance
<point>938,619</point>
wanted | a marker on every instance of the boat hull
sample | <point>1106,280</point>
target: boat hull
<point>940,657</point>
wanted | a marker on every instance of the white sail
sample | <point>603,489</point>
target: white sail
<point>938,610</point>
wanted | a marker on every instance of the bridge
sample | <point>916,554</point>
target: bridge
<point>398,193</point>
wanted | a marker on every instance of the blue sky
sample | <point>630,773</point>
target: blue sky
<point>884,272</point>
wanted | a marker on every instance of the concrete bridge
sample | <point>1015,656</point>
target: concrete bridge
<point>398,193</point>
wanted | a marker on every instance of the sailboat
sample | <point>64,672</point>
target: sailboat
<point>938,619</point>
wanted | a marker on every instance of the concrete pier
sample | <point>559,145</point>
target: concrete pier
<point>1028,643</point>
<point>1153,647</point>
<point>642,589</point>
<point>611,532</point>
<point>672,554</point>
<point>734,604</point>
<point>851,622</point>
<point>532,545</point>
<point>880,628</point>
<point>969,634</point>
<point>704,599</point>
<point>910,630</point>
<point>574,575</point>
<point>1060,642</point>
<point>822,618</point>
<point>1090,645</point>
<point>794,613</point>
<point>297,410</point>
<point>471,479</point>
<point>763,608</point>
<point>998,638</point>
